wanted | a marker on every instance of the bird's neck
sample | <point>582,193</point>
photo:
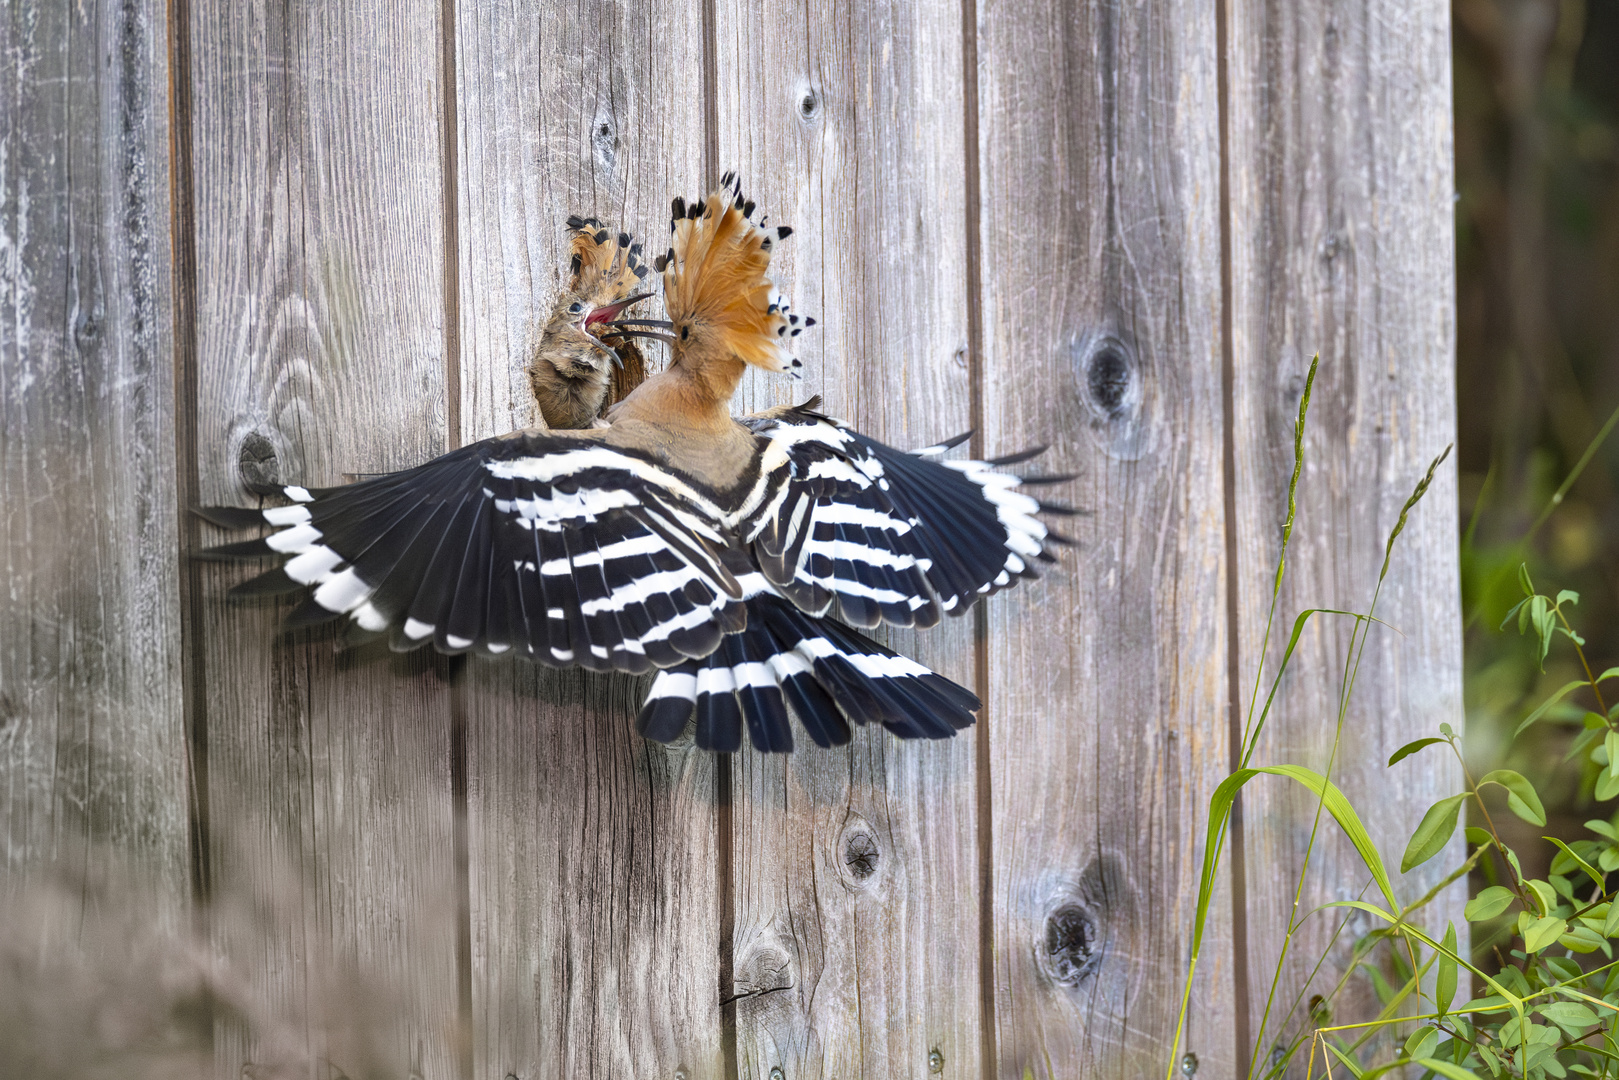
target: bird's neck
<point>695,391</point>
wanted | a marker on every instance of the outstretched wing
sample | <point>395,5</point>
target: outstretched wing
<point>851,528</point>
<point>558,548</point>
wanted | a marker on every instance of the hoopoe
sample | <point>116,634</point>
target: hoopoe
<point>733,556</point>
<point>573,368</point>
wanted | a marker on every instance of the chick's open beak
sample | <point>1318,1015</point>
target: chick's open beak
<point>609,312</point>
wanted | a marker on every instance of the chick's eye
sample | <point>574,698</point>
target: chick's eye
<point>575,308</point>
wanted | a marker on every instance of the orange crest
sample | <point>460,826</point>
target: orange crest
<point>715,285</point>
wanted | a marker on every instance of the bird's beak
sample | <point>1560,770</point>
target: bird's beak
<point>607,351</point>
<point>609,312</point>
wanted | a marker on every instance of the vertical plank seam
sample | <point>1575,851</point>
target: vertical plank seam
<point>183,251</point>
<point>723,775</point>
<point>711,96</point>
<point>452,238</point>
<point>1228,408</point>
<point>984,809</point>
<point>449,135</point>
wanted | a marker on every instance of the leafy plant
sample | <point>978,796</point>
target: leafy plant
<point>1552,1008</point>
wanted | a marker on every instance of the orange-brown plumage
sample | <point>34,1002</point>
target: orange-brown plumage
<point>724,314</point>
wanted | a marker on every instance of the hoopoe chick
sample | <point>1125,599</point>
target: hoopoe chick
<point>573,366</point>
<point>738,557</point>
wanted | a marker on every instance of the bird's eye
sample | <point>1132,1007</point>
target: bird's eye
<point>575,308</point>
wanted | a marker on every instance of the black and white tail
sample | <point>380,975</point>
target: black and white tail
<point>827,673</point>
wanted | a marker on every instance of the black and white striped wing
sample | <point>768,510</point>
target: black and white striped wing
<point>855,529</point>
<point>554,547</point>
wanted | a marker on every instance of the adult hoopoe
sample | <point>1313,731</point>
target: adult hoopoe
<point>733,556</point>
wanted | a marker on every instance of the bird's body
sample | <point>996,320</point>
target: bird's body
<point>734,556</point>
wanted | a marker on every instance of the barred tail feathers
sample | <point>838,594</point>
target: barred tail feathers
<point>715,281</point>
<point>826,673</point>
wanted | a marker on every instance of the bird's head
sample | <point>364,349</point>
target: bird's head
<point>606,272</point>
<point>721,301</point>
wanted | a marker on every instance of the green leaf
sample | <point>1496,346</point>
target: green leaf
<point>1445,982</point>
<point>1610,925</point>
<point>1607,785</point>
<point>1571,1016</point>
<point>1545,706</point>
<point>1489,903</point>
<point>1412,747</point>
<point>1447,1070</point>
<point>1421,1042</point>
<point>1590,871</point>
<point>1543,932</point>
<point>1567,596</point>
<point>1438,824</point>
<point>1523,580</point>
<point>1546,894</point>
<point>1603,829</point>
<point>1581,939</point>
<point>1610,743</point>
<point>1611,673</point>
<point>1521,797</point>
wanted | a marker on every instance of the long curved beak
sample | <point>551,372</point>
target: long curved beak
<point>620,329</point>
<point>607,351</point>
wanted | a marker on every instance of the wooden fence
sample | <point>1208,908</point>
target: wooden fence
<point>305,240</point>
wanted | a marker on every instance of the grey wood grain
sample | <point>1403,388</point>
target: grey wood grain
<point>855,870</point>
<point>318,186</point>
<point>92,737</point>
<point>1342,243</point>
<point>1101,273</point>
<point>594,855</point>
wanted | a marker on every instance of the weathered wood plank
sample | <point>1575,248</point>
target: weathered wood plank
<point>855,871</point>
<point>1341,230</point>
<point>92,736</point>
<point>316,146</point>
<point>593,854</point>
<point>1107,722</point>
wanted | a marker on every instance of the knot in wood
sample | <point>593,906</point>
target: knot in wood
<point>861,855</point>
<point>87,328</point>
<point>604,139</point>
<point>1108,375</point>
<point>809,105</point>
<point>1071,944</point>
<point>256,460</point>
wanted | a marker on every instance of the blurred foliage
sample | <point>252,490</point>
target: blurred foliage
<point>1537,223</point>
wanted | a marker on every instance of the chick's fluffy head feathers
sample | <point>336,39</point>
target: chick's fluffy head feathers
<point>605,267</point>
<point>719,297</point>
